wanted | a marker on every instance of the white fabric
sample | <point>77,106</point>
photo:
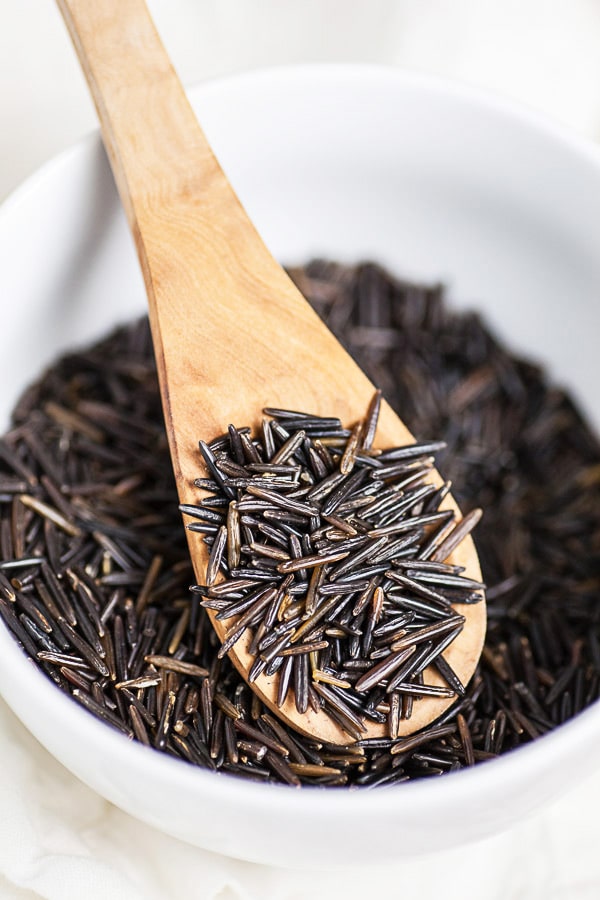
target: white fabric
<point>58,839</point>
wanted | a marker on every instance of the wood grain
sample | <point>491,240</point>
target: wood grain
<point>231,333</point>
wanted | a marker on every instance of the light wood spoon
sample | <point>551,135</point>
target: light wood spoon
<point>231,332</point>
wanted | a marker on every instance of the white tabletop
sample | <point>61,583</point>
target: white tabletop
<point>57,838</point>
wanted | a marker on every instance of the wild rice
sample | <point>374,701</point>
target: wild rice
<point>515,445</point>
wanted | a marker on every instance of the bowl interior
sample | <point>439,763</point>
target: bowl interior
<point>437,183</point>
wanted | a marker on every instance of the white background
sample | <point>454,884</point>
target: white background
<point>57,838</point>
<point>543,52</point>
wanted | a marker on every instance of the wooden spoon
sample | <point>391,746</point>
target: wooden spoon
<point>231,332</point>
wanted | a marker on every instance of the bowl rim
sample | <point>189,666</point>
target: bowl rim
<point>456,89</point>
<point>521,766</point>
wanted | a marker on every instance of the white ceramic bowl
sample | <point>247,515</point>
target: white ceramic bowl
<point>437,182</point>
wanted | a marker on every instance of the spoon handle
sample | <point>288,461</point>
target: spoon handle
<point>231,332</point>
<point>156,147</point>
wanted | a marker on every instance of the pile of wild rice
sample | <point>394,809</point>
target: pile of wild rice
<point>332,555</point>
<point>94,572</point>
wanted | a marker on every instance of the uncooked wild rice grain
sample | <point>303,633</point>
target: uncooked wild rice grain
<point>110,604</point>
